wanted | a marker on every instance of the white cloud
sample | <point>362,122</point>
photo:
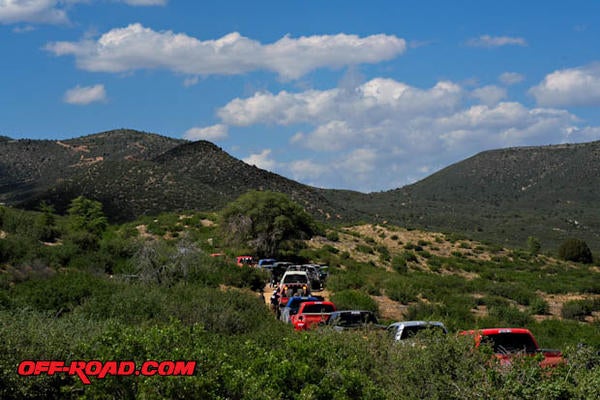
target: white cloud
<point>261,160</point>
<point>489,95</point>
<point>52,12</point>
<point>83,95</point>
<point>511,78</point>
<point>385,133</point>
<point>370,102</point>
<point>496,41</point>
<point>307,170</point>
<point>570,87</point>
<point>136,47</point>
<point>32,11</point>
<point>211,133</point>
<point>190,81</point>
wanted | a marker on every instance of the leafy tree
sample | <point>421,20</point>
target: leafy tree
<point>87,223</point>
<point>265,221</point>
<point>87,215</point>
<point>45,223</point>
<point>575,250</point>
<point>533,245</point>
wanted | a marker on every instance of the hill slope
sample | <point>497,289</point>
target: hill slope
<point>134,173</point>
<point>506,195</point>
<point>549,192</point>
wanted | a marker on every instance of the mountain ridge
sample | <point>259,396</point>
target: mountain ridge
<point>502,195</point>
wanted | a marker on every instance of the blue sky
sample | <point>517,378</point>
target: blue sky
<point>358,95</point>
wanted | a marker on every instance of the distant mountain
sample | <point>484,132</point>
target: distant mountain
<point>134,173</point>
<point>550,192</point>
<point>504,196</point>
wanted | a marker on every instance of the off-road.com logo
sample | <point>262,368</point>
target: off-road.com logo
<point>86,369</point>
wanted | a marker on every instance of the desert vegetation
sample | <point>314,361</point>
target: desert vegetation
<point>76,287</point>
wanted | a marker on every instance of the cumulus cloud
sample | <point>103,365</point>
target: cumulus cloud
<point>511,78</point>
<point>32,11</point>
<point>372,101</point>
<point>307,170</point>
<point>50,11</point>
<point>211,133</point>
<point>83,95</point>
<point>489,95</point>
<point>496,41</point>
<point>385,133</point>
<point>137,47</point>
<point>261,160</point>
<point>570,87</point>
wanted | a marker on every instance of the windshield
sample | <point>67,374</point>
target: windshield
<point>318,309</point>
<point>411,331</point>
<point>510,343</point>
<point>295,278</point>
<point>354,319</point>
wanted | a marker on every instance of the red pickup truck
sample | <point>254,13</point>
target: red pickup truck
<point>510,342</point>
<point>312,313</point>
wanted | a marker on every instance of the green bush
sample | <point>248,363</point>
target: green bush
<point>363,248</point>
<point>509,316</point>
<point>400,264</point>
<point>539,306</point>
<point>533,245</point>
<point>333,236</point>
<point>579,309</point>
<point>400,290</point>
<point>354,300</point>
<point>575,250</point>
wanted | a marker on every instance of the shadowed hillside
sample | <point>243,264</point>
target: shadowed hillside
<point>550,192</point>
<point>134,173</point>
<point>504,196</point>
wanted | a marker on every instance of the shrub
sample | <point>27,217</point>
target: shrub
<point>510,316</point>
<point>333,236</point>
<point>399,264</point>
<point>533,245</point>
<point>539,306</point>
<point>579,309</point>
<point>575,250</point>
<point>354,300</point>
<point>363,248</point>
<point>400,290</point>
<point>384,253</point>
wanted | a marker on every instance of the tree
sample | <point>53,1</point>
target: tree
<point>533,245</point>
<point>265,221</point>
<point>575,250</point>
<point>45,223</point>
<point>87,223</point>
<point>87,215</point>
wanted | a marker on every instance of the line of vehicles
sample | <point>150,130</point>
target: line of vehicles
<point>294,302</point>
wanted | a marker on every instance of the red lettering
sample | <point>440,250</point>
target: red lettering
<point>93,368</point>
<point>126,368</point>
<point>185,368</point>
<point>78,368</point>
<point>84,369</point>
<point>149,368</point>
<point>56,366</point>
<point>109,368</point>
<point>26,368</point>
<point>41,366</point>
<point>166,368</point>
